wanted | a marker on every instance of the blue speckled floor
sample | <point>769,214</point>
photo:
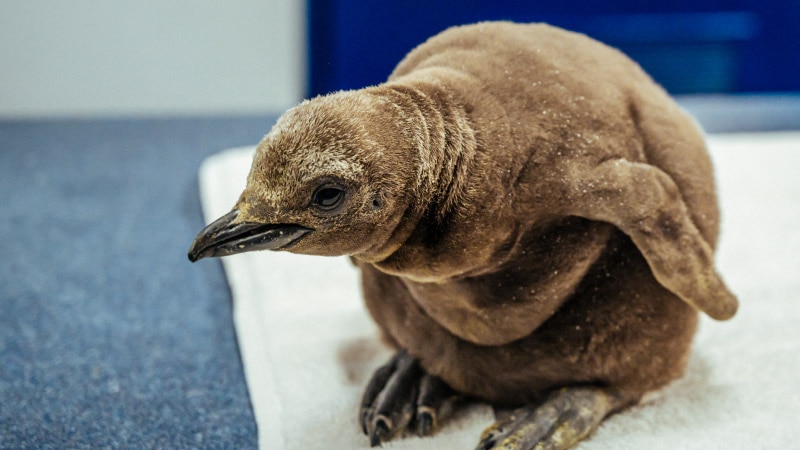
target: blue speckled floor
<point>109,337</point>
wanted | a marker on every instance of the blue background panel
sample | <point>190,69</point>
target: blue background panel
<point>687,46</point>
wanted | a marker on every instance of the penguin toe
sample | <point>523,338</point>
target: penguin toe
<point>565,418</point>
<point>402,398</point>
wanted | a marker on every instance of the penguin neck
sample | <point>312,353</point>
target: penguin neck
<point>444,143</point>
<point>443,148</point>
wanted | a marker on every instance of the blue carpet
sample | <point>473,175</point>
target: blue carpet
<point>109,337</point>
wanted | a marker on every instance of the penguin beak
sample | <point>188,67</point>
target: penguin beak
<point>223,237</point>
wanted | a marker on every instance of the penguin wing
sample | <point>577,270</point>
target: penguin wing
<point>645,203</point>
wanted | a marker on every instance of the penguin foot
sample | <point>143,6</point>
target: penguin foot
<point>565,418</point>
<point>401,398</point>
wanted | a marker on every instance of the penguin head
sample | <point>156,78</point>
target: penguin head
<point>333,177</point>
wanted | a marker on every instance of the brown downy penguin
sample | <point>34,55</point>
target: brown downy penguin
<point>534,219</point>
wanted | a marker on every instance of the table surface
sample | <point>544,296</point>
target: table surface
<point>109,337</point>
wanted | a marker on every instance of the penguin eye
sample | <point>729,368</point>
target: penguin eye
<point>327,198</point>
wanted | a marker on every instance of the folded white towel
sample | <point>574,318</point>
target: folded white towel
<point>309,347</point>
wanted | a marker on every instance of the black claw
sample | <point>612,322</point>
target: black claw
<point>380,431</point>
<point>485,444</point>
<point>364,420</point>
<point>425,424</point>
<point>490,439</point>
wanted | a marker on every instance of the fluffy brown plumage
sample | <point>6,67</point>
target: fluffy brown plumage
<point>529,211</point>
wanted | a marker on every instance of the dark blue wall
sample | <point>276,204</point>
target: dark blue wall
<point>688,46</point>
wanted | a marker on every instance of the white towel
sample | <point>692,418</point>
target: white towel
<point>309,347</point>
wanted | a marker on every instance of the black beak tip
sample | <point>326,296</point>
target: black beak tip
<point>195,255</point>
<point>200,246</point>
<point>200,249</point>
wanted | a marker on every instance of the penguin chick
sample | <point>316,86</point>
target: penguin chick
<point>534,220</point>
